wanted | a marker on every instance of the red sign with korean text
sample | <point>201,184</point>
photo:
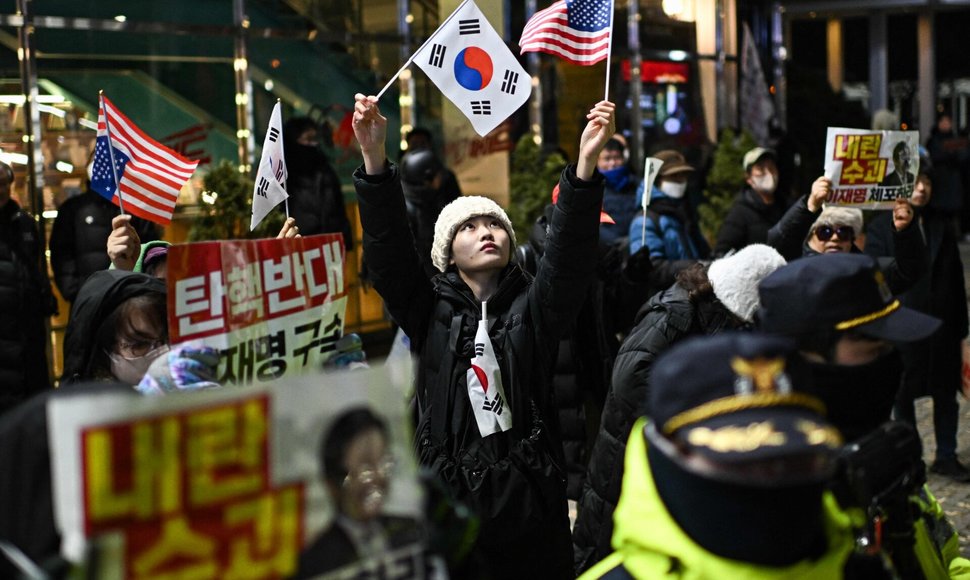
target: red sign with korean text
<point>273,307</point>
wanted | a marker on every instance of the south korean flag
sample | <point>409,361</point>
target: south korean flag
<point>472,66</point>
<point>484,380</point>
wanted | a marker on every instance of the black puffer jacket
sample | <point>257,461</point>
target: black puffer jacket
<point>99,296</point>
<point>665,319</point>
<point>513,480</point>
<point>79,237</point>
<point>25,300</point>
<point>316,201</point>
<point>581,375</point>
<point>747,222</point>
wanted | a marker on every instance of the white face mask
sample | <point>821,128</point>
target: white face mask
<point>673,189</point>
<point>131,370</point>
<point>765,183</point>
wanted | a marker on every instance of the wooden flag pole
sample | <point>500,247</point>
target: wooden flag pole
<point>111,152</point>
<point>609,56</point>
<point>411,59</point>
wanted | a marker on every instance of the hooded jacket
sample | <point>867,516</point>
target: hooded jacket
<point>101,294</point>
<point>650,544</point>
<point>513,480</point>
<point>665,319</point>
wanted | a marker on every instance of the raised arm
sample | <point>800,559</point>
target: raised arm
<point>389,253</point>
<point>370,128</point>
<point>568,264</point>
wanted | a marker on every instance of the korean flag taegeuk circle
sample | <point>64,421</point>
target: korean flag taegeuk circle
<point>473,68</point>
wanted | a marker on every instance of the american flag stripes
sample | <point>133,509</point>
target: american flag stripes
<point>577,31</point>
<point>150,175</point>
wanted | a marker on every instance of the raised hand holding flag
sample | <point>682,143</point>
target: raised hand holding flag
<point>271,174</point>
<point>135,172</point>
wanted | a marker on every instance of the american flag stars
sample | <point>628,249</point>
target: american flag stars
<point>588,15</point>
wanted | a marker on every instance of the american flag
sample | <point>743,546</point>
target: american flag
<point>150,174</point>
<point>575,30</point>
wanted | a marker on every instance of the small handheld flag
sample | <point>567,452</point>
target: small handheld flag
<point>271,174</point>
<point>484,379</point>
<point>651,167</point>
<point>135,172</point>
<point>577,31</point>
<point>468,61</point>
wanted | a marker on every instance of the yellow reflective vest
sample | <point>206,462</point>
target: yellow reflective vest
<point>648,543</point>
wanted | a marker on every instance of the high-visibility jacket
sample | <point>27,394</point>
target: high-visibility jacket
<point>648,543</point>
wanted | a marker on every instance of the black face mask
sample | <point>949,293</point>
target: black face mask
<point>766,526</point>
<point>858,398</point>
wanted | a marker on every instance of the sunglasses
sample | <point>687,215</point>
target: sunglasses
<point>844,233</point>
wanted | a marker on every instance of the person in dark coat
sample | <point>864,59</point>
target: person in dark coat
<point>584,362</point>
<point>118,327</point>
<point>704,300</point>
<point>756,208</point>
<point>26,300</point>
<point>426,192</point>
<point>78,239</point>
<point>507,468</point>
<point>316,200</point>
<point>932,366</point>
<point>950,155</point>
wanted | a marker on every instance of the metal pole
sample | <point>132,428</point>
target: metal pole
<point>878,61</point>
<point>35,155</point>
<point>535,100</point>
<point>927,75</point>
<point>779,52</point>
<point>636,87</point>
<point>722,106</point>
<point>407,101</point>
<point>28,83</point>
<point>244,87</point>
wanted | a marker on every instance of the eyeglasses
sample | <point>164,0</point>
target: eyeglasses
<point>369,473</point>
<point>844,233</point>
<point>139,348</point>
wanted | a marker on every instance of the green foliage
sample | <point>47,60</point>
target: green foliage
<point>229,216</point>
<point>724,180</point>
<point>532,179</point>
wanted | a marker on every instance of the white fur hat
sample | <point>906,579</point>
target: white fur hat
<point>456,213</point>
<point>835,215</point>
<point>735,278</point>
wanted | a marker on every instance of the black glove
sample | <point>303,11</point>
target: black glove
<point>638,266</point>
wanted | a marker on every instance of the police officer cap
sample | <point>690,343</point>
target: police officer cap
<point>733,407</point>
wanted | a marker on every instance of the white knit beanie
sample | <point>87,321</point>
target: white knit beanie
<point>456,213</point>
<point>735,278</point>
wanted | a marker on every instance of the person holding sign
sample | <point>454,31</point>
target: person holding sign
<point>807,229</point>
<point>932,366</point>
<point>507,467</point>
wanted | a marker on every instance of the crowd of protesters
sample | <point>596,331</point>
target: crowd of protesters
<point>704,408</point>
